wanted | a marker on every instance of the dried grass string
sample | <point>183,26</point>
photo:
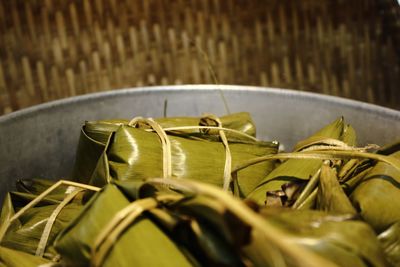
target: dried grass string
<point>51,220</point>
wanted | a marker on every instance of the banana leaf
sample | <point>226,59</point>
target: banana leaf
<point>25,233</point>
<point>135,154</point>
<point>199,225</point>
<point>197,238</point>
<point>7,212</point>
<point>389,148</point>
<point>28,190</point>
<point>34,187</point>
<point>254,240</point>
<point>353,178</point>
<point>349,135</point>
<point>14,258</point>
<point>142,244</point>
<point>344,241</point>
<point>390,240</point>
<point>214,215</point>
<point>37,186</point>
<point>212,233</point>
<point>376,197</point>
<point>299,171</point>
<point>190,224</point>
<point>334,130</point>
<point>353,167</point>
<point>88,153</point>
<point>242,121</point>
<point>331,197</point>
<point>95,134</point>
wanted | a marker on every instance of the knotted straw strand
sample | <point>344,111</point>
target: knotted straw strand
<point>228,155</point>
<point>51,220</point>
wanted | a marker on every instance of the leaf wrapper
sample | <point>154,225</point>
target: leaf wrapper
<point>335,237</point>
<point>376,196</point>
<point>95,134</point>
<point>297,170</point>
<point>24,233</point>
<point>143,243</point>
<point>331,197</point>
<point>390,240</point>
<point>135,154</point>
<point>14,258</point>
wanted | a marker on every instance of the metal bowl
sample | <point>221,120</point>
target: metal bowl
<point>41,141</point>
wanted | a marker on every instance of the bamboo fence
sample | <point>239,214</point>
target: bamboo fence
<point>55,49</point>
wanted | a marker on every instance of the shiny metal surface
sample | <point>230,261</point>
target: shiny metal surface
<point>41,141</point>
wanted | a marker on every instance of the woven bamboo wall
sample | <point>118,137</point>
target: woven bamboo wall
<point>55,49</point>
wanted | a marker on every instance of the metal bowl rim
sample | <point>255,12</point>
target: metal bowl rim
<point>311,96</point>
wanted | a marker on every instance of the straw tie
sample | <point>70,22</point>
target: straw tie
<point>321,143</point>
<point>52,219</point>
<point>228,155</point>
<point>165,142</point>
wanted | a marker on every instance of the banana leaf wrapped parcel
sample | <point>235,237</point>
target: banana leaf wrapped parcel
<point>337,237</point>
<point>289,178</point>
<point>377,198</point>
<point>143,244</point>
<point>95,134</point>
<point>135,154</point>
<point>31,221</point>
<point>331,196</point>
<point>187,224</point>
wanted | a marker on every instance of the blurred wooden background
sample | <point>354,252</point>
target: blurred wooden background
<point>55,49</point>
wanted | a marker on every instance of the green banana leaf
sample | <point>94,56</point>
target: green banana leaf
<point>88,153</point>
<point>255,241</point>
<point>95,134</point>
<point>331,196</point>
<point>376,196</point>
<point>143,244</point>
<point>349,135</point>
<point>14,258</point>
<point>390,240</point>
<point>191,224</point>
<point>24,233</point>
<point>352,173</point>
<point>37,186</point>
<point>34,187</point>
<point>199,225</point>
<point>135,154</point>
<point>242,121</point>
<point>334,130</point>
<point>352,167</point>
<point>389,148</point>
<point>197,240</point>
<point>353,178</point>
<point>202,224</point>
<point>344,241</point>
<point>298,171</point>
<point>7,212</point>
<point>215,236</point>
